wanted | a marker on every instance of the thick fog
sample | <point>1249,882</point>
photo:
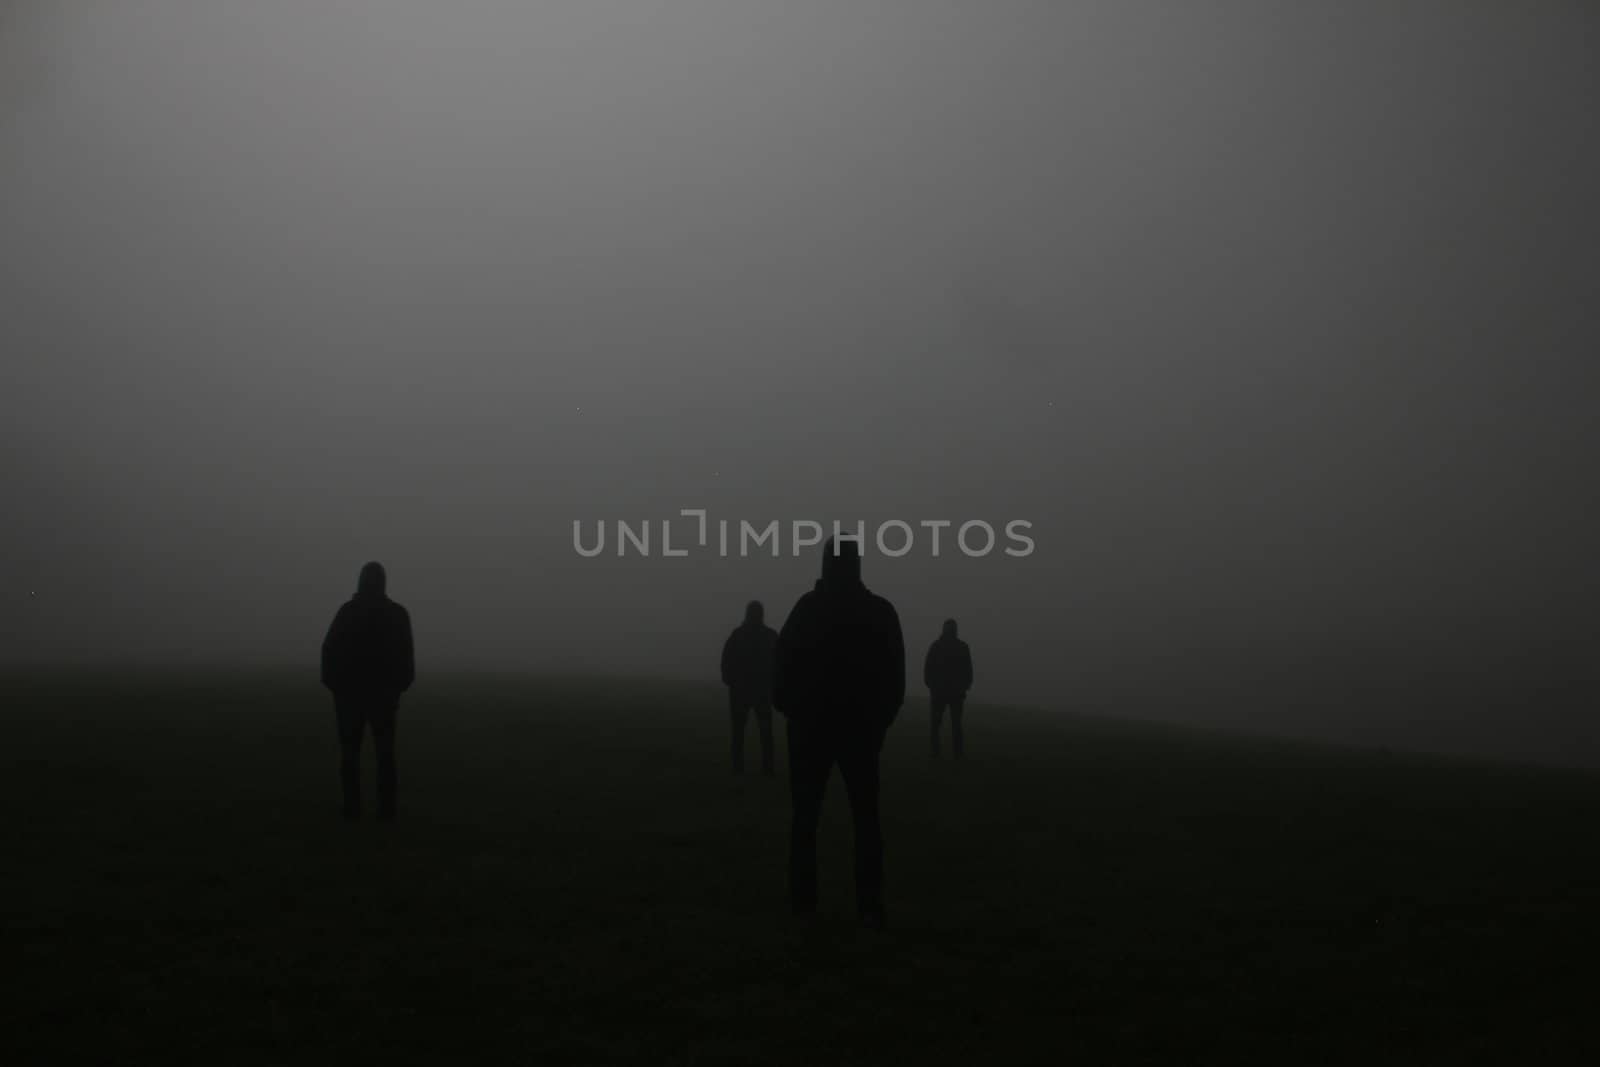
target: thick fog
<point>1277,322</point>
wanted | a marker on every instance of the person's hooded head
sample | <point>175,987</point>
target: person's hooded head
<point>372,581</point>
<point>949,632</point>
<point>841,564</point>
<point>753,613</point>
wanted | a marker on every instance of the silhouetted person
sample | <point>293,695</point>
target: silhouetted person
<point>747,672</point>
<point>367,662</point>
<point>947,672</point>
<point>840,680</point>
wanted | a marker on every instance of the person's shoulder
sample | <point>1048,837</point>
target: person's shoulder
<point>804,607</point>
<point>882,607</point>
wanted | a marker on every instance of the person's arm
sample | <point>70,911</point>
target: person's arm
<point>408,658</point>
<point>928,664</point>
<point>727,658</point>
<point>895,653</point>
<point>766,664</point>
<point>333,650</point>
<point>786,673</point>
<point>966,667</point>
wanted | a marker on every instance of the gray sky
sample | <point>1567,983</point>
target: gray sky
<point>1278,322</point>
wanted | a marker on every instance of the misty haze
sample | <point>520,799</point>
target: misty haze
<point>1280,330</point>
<point>1273,328</point>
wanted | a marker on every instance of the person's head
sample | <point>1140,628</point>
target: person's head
<point>753,613</point>
<point>841,562</point>
<point>372,580</point>
<point>949,628</point>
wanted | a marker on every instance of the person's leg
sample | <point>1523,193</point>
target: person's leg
<point>956,739</point>
<point>764,724</point>
<point>858,765</point>
<point>935,716</point>
<point>737,712</point>
<point>352,724</point>
<point>809,763</point>
<point>383,718</point>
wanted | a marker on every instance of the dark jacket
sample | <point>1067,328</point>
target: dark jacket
<point>747,661</point>
<point>368,651</point>
<point>841,657</point>
<point>948,669</point>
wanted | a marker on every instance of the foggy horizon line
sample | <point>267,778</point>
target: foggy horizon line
<point>1112,656</point>
<point>1131,713</point>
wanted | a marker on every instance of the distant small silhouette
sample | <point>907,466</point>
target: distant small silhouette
<point>947,672</point>
<point>747,658</point>
<point>367,662</point>
<point>840,680</point>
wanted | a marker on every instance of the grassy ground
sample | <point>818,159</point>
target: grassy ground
<point>576,877</point>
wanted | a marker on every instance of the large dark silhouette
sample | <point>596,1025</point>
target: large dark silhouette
<point>747,664</point>
<point>947,672</point>
<point>367,662</point>
<point>840,680</point>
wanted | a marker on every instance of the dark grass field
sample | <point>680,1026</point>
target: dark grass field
<point>576,878</point>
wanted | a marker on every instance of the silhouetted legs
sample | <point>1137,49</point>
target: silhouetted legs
<point>352,724</point>
<point>938,705</point>
<point>739,708</point>
<point>813,750</point>
<point>355,714</point>
<point>858,766</point>
<point>764,728</point>
<point>383,722</point>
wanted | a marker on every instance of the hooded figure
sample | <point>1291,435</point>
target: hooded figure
<point>367,662</point>
<point>947,672</point>
<point>840,678</point>
<point>841,655</point>
<point>747,672</point>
